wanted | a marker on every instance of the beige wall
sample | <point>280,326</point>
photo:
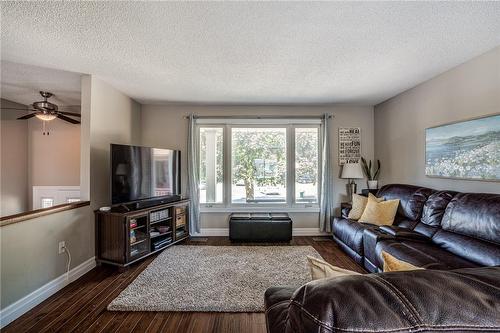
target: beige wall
<point>30,158</point>
<point>55,158</point>
<point>29,249</point>
<point>467,91</point>
<point>166,127</point>
<point>114,118</point>
<point>14,194</point>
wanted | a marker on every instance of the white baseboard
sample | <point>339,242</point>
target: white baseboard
<point>207,232</point>
<point>308,232</point>
<point>17,309</point>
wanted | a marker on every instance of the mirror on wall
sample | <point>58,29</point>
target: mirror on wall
<point>40,138</point>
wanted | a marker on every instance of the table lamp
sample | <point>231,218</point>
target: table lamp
<point>352,171</point>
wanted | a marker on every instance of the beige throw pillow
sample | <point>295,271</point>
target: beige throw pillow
<point>320,269</point>
<point>380,213</point>
<point>358,206</point>
<point>393,264</point>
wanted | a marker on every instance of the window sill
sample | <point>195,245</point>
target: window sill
<point>259,209</point>
<point>11,219</point>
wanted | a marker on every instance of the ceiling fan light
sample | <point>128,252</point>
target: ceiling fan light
<point>46,117</point>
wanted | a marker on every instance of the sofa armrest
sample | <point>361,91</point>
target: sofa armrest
<point>277,300</point>
<point>370,239</point>
<point>402,233</point>
<point>345,208</point>
<point>399,302</point>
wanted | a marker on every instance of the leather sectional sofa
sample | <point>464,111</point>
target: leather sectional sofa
<point>432,229</point>
<point>455,236</point>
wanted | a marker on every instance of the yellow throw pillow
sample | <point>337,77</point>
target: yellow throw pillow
<point>380,213</point>
<point>393,264</point>
<point>320,269</point>
<point>358,206</point>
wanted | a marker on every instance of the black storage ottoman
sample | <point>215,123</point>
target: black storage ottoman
<point>260,227</point>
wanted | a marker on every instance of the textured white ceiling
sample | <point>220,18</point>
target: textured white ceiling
<point>251,52</point>
<point>21,84</point>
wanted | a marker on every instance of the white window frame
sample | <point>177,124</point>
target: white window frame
<point>290,205</point>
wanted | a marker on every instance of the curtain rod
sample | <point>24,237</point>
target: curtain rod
<point>260,117</point>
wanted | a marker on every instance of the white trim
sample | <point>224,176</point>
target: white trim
<point>309,232</point>
<point>210,232</point>
<point>264,121</point>
<point>259,209</point>
<point>207,232</point>
<point>20,307</point>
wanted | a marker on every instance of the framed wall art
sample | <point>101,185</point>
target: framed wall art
<point>464,150</point>
<point>349,145</point>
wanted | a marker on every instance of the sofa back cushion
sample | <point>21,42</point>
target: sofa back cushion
<point>476,215</point>
<point>470,228</point>
<point>478,251</point>
<point>433,212</point>
<point>435,206</point>
<point>411,200</point>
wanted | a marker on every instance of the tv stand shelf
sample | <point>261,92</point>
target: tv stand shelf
<point>124,237</point>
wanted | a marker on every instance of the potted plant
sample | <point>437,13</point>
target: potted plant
<point>372,175</point>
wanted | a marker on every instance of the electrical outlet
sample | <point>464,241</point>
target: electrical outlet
<point>62,247</point>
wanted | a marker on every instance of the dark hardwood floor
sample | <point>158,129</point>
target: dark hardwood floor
<point>81,306</point>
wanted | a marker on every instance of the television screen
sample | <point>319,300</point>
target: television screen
<point>139,173</point>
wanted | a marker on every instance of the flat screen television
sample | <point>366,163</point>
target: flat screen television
<point>140,173</point>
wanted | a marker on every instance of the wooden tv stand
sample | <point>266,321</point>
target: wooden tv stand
<point>123,238</point>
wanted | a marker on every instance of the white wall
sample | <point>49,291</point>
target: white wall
<point>14,193</point>
<point>166,127</point>
<point>467,91</point>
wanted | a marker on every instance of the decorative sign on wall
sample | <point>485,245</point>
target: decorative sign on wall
<point>349,145</point>
<point>464,150</point>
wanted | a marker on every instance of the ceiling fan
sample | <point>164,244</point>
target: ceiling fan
<point>46,111</point>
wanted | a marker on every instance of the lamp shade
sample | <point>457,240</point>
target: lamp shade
<point>352,171</point>
<point>121,169</point>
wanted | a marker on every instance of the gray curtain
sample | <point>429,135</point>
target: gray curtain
<point>326,187</point>
<point>193,154</point>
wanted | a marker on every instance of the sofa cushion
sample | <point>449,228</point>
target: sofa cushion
<point>421,254</point>
<point>412,199</point>
<point>475,215</point>
<point>350,233</point>
<point>481,252</point>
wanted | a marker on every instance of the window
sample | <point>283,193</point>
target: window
<point>306,164</point>
<point>258,165</point>
<point>47,202</point>
<point>211,161</point>
<point>261,164</point>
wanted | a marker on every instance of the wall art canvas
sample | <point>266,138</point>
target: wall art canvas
<point>349,145</point>
<point>464,150</point>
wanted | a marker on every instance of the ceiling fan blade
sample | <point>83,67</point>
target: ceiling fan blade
<point>70,113</point>
<point>28,116</point>
<point>68,119</point>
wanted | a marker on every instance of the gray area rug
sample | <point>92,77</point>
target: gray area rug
<point>215,278</point>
